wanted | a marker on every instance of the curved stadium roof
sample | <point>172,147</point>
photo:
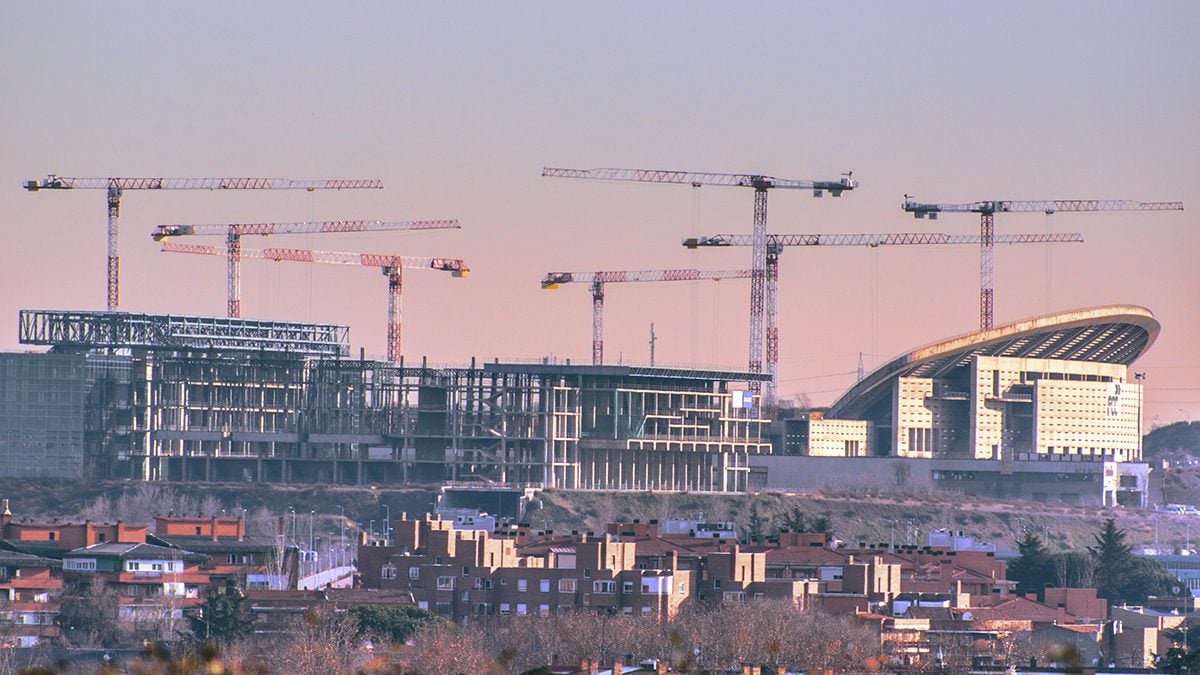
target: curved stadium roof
<point>1111,334</point>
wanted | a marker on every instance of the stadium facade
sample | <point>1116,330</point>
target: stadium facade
<point>1041,409</point>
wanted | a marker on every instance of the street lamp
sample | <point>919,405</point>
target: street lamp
<point>342,540</point>
<point>1187,415</point>
<point>387,526</point>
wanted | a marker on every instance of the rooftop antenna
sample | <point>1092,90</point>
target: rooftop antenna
<point>653,339</point>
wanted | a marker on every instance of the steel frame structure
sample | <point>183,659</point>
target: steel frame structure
<point>67,330</point>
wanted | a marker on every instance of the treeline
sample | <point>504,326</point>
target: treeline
<point>406,640</point>
<point>1109,566</point>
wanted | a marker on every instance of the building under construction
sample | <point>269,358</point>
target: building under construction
<point>167,398</point>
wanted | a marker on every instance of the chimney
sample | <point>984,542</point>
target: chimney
<point>617,667</point>
<point>6,516</point>
<point>660,668</point>
<point>241,528</point>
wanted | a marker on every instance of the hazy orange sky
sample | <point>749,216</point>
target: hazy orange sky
<point>457,107</point>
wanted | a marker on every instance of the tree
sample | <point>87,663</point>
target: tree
<point>754,529</point>
<point>793,520</point>
<point>88,615</point>
<point>395,623</point>
<point>1122,576</point>
<point>1034,570</point>
<point>223,618</point>
<point>1074,569</point>
<point>1184,654</point>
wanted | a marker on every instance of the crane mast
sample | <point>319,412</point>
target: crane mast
<point>758,258</point>
<point>233,233</point>
<point>389,265</point>
<point>777,242</point>
<point>987,211</point>
<point>597,280</point>
<point>115,187</point>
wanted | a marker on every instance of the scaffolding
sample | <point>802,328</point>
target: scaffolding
<point>160,398</point>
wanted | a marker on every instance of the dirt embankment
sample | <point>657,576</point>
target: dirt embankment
<point>901,518</point>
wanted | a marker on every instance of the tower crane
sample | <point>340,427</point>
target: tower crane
<point>758,258</point>
<point>117,186</point>
<point>599,279</point>
<point>390,265</point>
<point>776,243</point>
<point>987,211</point>
<point>233,240</point>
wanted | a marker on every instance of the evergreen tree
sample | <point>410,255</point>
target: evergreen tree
<point>391,623</point>
<point>1035,569</point>
<point>1122,576</point>
<point>822,525</point>
<point>793,520</point>
<point>223,618</point>
<point>1113,559</point>
<point>754,529</point>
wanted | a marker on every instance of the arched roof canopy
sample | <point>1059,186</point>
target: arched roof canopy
<point>1110,334</point>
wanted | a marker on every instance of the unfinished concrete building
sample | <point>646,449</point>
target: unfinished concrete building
<point>187,398</point>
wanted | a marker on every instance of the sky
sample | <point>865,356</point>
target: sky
<point>457,107</point>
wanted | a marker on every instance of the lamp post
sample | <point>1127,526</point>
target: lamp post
<point>1187,416</point>
<point>342,539</point>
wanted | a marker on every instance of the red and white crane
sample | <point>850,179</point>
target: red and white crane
<point>390,265</point>
<point>116,187</point>
<point>758,258</point>
<point>988,210</point>
<point>233,233</point>
<point>599,279</point>
<point>776,243</point>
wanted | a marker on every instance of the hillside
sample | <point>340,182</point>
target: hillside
<point>1177,438</point>
<point>896,517</point>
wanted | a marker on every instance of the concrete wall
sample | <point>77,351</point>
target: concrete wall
<point>810,473</point>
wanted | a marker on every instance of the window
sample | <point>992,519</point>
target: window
<point>414,572</point>
<point>645,611</point>
<point>477,584</point>
<point>566,585</point>
<point>522,609</point>
<point>522,585</point>
<point>197,531</point>
<point>445,583</point>
<point>388,571</point>
<point>505,608</point>
<point>587,574</point>
<point>627,587</point>
<point>603,587</point>
<point>543,610</point>
<point>52,536</point>
<point>544,585</point>
<point>466,571</point>
<point>717,584</point>
<point>101,537</point>
<point>80,565</point>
